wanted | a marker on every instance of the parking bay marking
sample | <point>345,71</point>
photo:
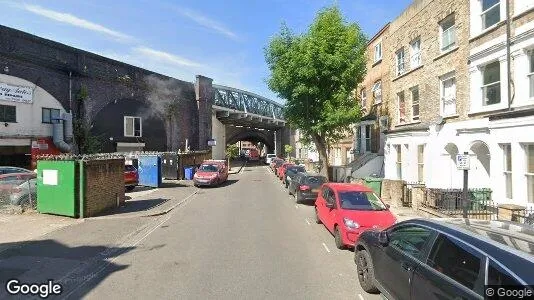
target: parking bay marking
<point>308,221</point>
<point>361,297</point>
<point>326,248</point>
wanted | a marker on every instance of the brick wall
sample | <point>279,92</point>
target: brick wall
<point>104,184</point>
<point>421,20</point>
<point>391,192</point>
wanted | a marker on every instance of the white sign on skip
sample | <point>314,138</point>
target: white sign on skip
<point>15,93</point>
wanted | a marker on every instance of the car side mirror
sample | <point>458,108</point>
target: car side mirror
<point>383,238</point>
<point>329,205</point>
<point>388,206</point>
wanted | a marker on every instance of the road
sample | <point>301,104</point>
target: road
<point>245,240</point>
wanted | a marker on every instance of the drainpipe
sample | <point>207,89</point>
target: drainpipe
<point>70,92</point>
<point>508,62</point>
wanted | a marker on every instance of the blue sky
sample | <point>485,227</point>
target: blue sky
<point>223,40</point>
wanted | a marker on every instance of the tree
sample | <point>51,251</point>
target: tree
<point>288,149</point>
<point>316,73</point>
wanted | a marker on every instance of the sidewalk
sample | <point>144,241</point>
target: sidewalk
<point>143,203</point>
<point>404,213</point>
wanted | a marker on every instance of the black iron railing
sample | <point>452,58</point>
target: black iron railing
<point>525,216</point>
<point>450,202</point>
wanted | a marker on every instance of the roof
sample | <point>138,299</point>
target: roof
<point>345,187</point>
<point>507,243</point>
<point>379,33</point>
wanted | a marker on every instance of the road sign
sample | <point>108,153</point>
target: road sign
<point>462,161</point>
<point>212,142</point>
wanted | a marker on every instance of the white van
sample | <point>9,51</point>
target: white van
<point>269,157</point>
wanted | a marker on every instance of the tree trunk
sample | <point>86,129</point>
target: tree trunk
<point>320,144</point>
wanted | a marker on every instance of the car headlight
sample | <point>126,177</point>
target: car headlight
<point>351,223</point>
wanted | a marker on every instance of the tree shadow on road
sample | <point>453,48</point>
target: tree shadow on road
<point>77,269</point>
<point>131,206</point>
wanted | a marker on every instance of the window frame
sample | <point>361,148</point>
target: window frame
<point>529,175</point>
<point>507,170</point>
<point>421,163</point>
<point>3,113</point>
<point>484,86</point>
<point>484,12</point>
<point>443,99</point>
<point>530,74</point>
<point>376,57</point>
<point>140,126</point>
<point>442,31</point>
<point>424,250</point>
<point>368,137</point>
<point>415,56</point>
<point>363,98</point>
<point>43,109</point>
<point>398,160</point>
<point>400,67</point>
<point>413,103</point>
<point>377,89</point>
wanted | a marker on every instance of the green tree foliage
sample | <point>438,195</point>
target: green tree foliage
<point>316,72</point>
<point>288,149</point>
<point>232,151</point>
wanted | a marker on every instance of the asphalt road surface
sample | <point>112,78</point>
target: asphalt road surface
<point>245,240</point>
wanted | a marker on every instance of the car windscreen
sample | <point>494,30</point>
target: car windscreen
<point>314,180</point>
<point>354,200</point>
<point>271,155</point>
<point>129,168</point>
<point>208,168</point>
<point>296,169</point>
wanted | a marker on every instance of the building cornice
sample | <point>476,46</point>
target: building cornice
<point>488,51</point>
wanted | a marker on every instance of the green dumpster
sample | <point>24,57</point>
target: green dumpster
<point>56,187</point>
<point>375,184</point>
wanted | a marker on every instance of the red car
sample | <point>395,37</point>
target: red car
<point>281,171</point>
<point>210,173</point>
<point>131,177</point>
<point>347,210</point>
<point>275,163</point>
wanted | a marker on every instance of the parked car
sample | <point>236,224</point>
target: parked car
<point>281,171</point>
<point>275,163</point>
<point>269,157</point>
<point>9,170</point>
<point>444,259</point>
<point>291,171</point>
<point>210,173</point>
<point>305,186</point>
<point>17,187</point>
<point>131,177</point>
<point>347,210</point>
<point>253,155</point>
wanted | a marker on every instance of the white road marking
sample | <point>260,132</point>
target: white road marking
<point>326,248</point>
<point>296,206</point>
<point>308,221</point>
<point>361,297</point>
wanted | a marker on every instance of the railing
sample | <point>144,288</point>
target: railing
<point>247,102</point>
<point>525,216</point>
<point>449,202</point>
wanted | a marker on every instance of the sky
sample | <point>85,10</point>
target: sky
<point>223,40</point>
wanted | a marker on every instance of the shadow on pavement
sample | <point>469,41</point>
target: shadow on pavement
<point>140,188</point>
<point>78,269</point>
<point>135,206</point>
<point>226,183</point>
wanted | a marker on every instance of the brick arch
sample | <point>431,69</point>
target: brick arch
<point>253,136</point>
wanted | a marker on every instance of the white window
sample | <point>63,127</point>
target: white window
<point>378,51</point>
<point>415,53</point>
<point>399,62</point>
<point>421,163</point>
<point>415,102</point>
<point>507,169</point>
<point>448,95</point>
<point>491,13</point>
<point>531,73</point>
<point>363,98</point>
<point>491,83</point>
<point>529,149</point>
<point>377,92</point>
<point>133,127</point>
<point>401,107</point>
<point>448,33</point>
<point>399,161</point>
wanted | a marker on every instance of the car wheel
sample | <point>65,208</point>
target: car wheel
<point>298,198</point>
<point>337,238</point>
<point>289,191</point>
<point>366,274</point>
<point>287,185</point>
<point>130,188</point>
<point>317,220</point>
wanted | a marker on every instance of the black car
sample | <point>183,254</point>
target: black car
<point>444,259</point>
<point>277,163</point>
<point>9,170</point>
<point>305,186</point>
<point>291,171</point>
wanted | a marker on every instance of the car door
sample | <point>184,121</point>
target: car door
<point>400,257</point>
<point>320,203</point>
<point>453,270</point>
<point>330,212</point>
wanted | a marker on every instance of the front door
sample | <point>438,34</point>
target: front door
<point>402,255</point>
